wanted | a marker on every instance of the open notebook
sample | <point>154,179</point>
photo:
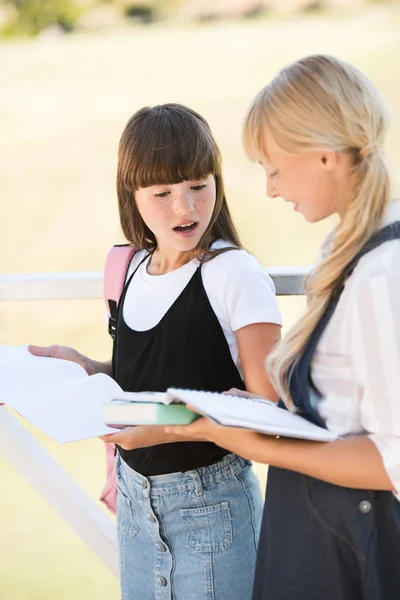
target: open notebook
<point>252,413</point>
<point>61,400</point>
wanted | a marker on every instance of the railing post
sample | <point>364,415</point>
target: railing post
<point>57,487</point>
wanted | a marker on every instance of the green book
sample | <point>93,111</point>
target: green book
<point>147,408</point>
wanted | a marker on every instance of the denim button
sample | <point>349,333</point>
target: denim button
<point>364,507</point>
<point>162,581</point>
<point>151,517</point>
<point>161,547</point>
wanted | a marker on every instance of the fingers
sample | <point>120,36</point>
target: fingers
<point>62,352</point>
<point>176,430</point>
<point>196,430</point>
<point>242,393</point>
<point>50,351</point>
<point>106,438</point>
<point>234,392</point>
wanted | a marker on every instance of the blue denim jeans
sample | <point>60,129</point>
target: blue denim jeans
<point>189,536</point>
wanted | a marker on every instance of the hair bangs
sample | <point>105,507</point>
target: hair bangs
<point>173,149</point>
<point>164,145</point>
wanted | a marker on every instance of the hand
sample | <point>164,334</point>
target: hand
<point>244,442</point>
<point>143,436</point>
<point>243,394</point>
<point>64,352</point>
<point>128,438</point>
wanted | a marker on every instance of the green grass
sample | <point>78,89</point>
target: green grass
<point>63,105</point>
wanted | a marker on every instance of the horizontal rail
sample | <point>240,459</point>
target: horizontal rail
<point>89,284</point>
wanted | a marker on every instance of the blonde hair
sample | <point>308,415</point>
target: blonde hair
<point>316,103</point>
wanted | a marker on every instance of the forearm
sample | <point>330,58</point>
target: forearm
<point>354,463</point>
<point>143,436</point>
<point>153,435</point>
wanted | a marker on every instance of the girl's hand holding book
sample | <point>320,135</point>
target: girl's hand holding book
<point>143,436</point>
<point>244,442</point>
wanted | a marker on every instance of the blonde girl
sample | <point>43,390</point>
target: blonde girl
<point>331,524</point>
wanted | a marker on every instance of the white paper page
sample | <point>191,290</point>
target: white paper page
<point>253,414</point>
<point>156,397</point>
<point>21,372</point>
<point>69,411</point>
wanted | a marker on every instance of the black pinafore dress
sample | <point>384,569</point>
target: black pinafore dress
<point>186,349</point>
<point>320,541</point>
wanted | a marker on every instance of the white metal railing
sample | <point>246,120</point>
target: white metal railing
<point>28,456</point>
<point>89,284</point>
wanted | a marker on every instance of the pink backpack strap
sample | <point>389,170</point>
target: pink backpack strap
<point>109,492</point>
<point>117,263</point>
<point>116,266</point>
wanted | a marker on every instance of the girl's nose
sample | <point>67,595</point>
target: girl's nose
<point>184,203</point>
<point>272,190</point>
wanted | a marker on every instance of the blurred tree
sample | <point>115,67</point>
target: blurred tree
<point>148,11</point>
<point>30,17</point>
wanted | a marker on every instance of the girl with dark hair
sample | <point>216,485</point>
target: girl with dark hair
<point>199,312</point>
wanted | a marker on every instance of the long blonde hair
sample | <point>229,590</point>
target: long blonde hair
<point>316,103</point>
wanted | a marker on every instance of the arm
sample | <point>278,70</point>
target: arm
<point>248,295</point>
<point>368,462</point>
<point>354,463</point>
<point>255,342</point>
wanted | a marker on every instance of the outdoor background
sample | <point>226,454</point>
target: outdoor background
<point>64,101</point>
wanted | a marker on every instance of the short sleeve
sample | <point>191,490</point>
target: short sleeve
<point>240,290</point>
<point>376,358</point>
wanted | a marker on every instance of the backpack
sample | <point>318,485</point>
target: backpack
<point>115,269</point>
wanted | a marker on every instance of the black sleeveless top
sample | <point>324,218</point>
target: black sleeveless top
<point>186,349</point>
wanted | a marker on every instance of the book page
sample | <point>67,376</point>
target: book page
<point>23,373</point>
<point>56,396</point>
<point>69,411</point>
<point>156,397</point>
<point>253,413</point>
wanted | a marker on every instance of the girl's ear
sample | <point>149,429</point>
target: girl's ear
<point>328,160</point>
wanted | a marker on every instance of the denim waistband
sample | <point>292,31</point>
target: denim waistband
<point>226,468</point>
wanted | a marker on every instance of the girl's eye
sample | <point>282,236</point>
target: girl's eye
<point>198,188</point>
<point>161,194</point>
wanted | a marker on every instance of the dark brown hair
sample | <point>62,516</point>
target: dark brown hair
<point>167,144</point>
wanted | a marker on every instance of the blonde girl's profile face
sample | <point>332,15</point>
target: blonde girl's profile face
<point>178,214</point>
<point>311,181</point>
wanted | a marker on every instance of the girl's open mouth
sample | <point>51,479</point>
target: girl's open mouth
<point>186,227</point>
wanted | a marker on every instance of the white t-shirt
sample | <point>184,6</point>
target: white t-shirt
<point>239,290</point>
<point>357,360</point>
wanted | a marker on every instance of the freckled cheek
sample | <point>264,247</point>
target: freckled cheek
<point>206,204</point>
<point>156,217</point>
